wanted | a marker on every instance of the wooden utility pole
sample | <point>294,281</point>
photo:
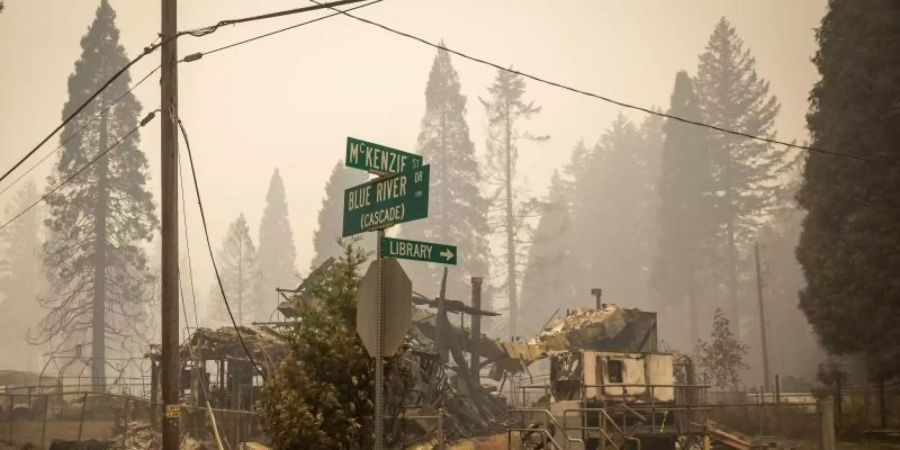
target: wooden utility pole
<point>476,329</point>
<point>169,162</point>
<point>762,320</point>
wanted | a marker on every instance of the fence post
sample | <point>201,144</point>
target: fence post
<point>125,432</point>
<point>9,416</point>
<point>81,423</point>
<point>827,409</point>
<point>441,428</point>
<point>44,425</point>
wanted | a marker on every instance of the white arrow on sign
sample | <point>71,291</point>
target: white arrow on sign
<point>447,254</point>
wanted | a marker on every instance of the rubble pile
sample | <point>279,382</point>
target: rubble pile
<point>142,436</point>
<point>443,381</point>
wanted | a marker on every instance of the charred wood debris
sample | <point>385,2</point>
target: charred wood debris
<point>432,374</point>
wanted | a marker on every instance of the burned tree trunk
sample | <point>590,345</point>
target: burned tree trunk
<point>101,210</point>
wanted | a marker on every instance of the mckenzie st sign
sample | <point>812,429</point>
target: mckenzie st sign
<point>418,251</point>
<point>386,201</point>
<point>379,159</point>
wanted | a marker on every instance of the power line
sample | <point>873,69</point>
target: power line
<point>203,31</point>
<point>96,158</point>
<point>77,132</point>
<point>212,258</point>
<point>617,102</point>
<point>147,50</point>
<point>187,247</point>
<point>148,75</point>
<point>198,55</point>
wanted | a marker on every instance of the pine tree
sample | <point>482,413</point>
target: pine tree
<point>19,281</point>
<point>745,172</point>
<point>456,208</point>
<point>614,209</point>
<point>239,271</point>
<point>98,221</point>
<point>321,394</point>
<point>722,358</point>
<point>686,219</point>
<point>850,241</point>
<point>547,282</point>
<point>325,239</point>
<point>505,108</point>
<point>797,351</point>
<point>276,247</point>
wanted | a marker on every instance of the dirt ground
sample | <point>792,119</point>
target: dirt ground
<point>495,442</point>
<point>30,432</point>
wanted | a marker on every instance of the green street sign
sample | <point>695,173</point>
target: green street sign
<point>388,201</point>
<point>418,251</point>
<point>379,159</point>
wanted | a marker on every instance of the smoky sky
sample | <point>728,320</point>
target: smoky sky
<point>290,101</point>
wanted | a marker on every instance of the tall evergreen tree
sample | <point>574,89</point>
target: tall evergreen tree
<point>850,244</point>
<point>239,270</point>
<point>99,220</point>
<point>547,282</point>
<point>686,219</point>
<point>614,209</point>
<point>506,108</point>
<point>456,208</point>
<point>745,172</point>
<point>276,246</point>
<point>796,351</point>
<point>325,239</point>
<point>19,282</point>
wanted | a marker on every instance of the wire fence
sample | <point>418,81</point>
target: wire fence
<point>39,418</point>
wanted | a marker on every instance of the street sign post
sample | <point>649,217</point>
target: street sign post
<point>385,292</point>
<point>380,203</point>
<point>379,159</point>
<point>396,310</point>
<point>418,251</point>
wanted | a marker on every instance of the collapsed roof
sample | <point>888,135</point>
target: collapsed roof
<point>610,328</point>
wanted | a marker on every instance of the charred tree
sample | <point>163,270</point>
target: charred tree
<point>745,172</point>
<point>327,235</point>
<point>457,210</point>
<point>276,253</point>
<point>506,108</point>
<point>98,221</point>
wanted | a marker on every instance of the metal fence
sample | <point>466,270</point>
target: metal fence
<point>38,418</point>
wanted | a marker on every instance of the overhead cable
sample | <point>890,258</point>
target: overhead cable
<point>620,103</point>
<point>93,160</point>
<point>147,50</point>
<point>212,257</point>
<point>195,56</point>
<point>77,132</point>
<point>203,31</point>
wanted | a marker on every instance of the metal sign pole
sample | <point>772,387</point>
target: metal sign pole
<point>379,350</point>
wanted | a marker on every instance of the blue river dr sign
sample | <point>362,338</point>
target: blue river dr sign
<point>381,203</point>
